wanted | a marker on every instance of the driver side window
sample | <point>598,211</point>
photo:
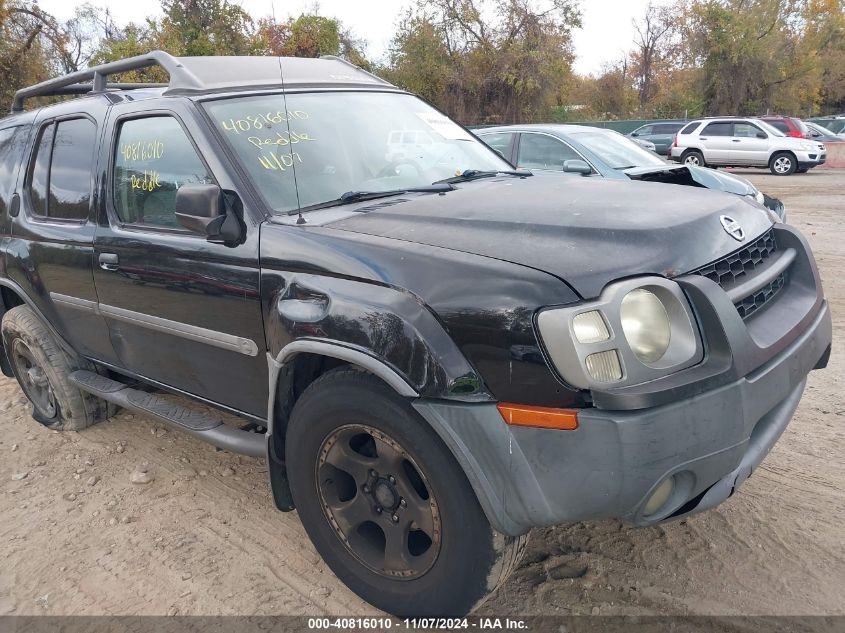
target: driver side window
<point>538,151</point>
<point>153,158</point>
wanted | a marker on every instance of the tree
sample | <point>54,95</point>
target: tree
<point>654,44</point>
<point>487,60</point>
<point>204,27</point>
<point>310,35</point>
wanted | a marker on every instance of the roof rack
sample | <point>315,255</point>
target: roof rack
<point>75,83</point>
<point>210,74</point>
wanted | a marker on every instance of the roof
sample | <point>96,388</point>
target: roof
<point>195,75</point>
<point>562,128</point>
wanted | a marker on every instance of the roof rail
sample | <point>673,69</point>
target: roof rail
<point>75,83</point>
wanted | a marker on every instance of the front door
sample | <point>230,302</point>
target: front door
<point>182,312</point>
<point>751,144</point>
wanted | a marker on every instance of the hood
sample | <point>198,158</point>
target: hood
<point>702,176</point>
<point>585,231</point>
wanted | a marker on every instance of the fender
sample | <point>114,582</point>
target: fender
<point>14,287</point>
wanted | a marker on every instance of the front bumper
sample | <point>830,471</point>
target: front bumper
<point>710,433</point>
<point>609,466</point>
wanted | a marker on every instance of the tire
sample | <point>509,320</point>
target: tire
<point>783,164</point>
<point>42,368</point>
<point>693,157</point>
<point>351,418</point>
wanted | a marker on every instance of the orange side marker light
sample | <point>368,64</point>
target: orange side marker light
<point>539,417</point>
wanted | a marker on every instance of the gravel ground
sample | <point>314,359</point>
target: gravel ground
<point>197,533</point>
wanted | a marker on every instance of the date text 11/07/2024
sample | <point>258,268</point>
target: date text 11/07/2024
<point>437,624</point>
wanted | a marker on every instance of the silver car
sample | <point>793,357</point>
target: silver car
<point>736,142</point>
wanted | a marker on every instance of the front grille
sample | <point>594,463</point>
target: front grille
<point>748,306</point>
<point>741,265</point>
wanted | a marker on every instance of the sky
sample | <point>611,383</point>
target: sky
<point>606,35</point>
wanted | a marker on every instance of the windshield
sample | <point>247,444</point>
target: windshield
<point>616,150</point>
<point>307,149</point>
<point>769,128</point>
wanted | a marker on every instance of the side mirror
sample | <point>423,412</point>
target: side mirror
<point>635,134</point>
<point>202,209</point>
<point>577,167</point>
<point>762,135</point>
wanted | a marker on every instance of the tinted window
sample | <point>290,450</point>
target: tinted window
<point>41,171</point>
<point>689,129</point>
<point>746,130</point>
<point>666,128</point>
<point>11,148</point>
<point>646,129</point>
<point>779,125</point>
<point>538,151</point>
<point>500,142</point>
<point>718,129</point>
<point>153,158</point>
<point>71,169</point>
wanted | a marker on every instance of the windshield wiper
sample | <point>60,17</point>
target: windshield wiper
<point>473,174</point>
<point>351,197</point>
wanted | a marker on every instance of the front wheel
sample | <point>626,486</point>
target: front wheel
<point>386,504</point>
<point>783,164</point>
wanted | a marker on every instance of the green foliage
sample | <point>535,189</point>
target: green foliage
<point>490,61</point>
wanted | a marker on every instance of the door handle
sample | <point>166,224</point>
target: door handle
<point>735,140</point>
<point>109,261</point>
<point>703,138</point>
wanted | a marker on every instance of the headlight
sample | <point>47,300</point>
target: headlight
<point>638,330</point>
<point>808,146</point>
<point>646,325</point>
<point>759,197</point>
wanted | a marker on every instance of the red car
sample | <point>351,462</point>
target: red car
<point>788,125</point>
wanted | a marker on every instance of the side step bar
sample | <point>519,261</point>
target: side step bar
<point>202,426</point>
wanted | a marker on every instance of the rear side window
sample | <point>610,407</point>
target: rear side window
<point>646,129</point>
<point>153,158</point>
<point>60,180</point>
<point>689,129</point>
<point>779,125</point>
<point>11,150</point>
<point>718,129</point>
<point>666,128</point>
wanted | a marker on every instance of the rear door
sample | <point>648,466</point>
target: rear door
<point>716,142</point>
<point>50,251</point>
<point>182,311</point>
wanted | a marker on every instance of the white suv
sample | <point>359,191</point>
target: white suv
<point>738,142</point>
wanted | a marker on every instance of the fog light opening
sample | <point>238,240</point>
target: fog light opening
<point>660,496</point>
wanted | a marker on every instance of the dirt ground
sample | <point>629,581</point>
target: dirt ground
<point>203,537</point>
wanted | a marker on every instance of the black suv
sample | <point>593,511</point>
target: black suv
<point>434,351</point>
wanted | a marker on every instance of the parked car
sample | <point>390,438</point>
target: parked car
<point>790,126</point>
<point>661,133</point>
<point>646,145</point>
<point>734,142</point>
<point>434,352</point>
<point>591,151</point>
<point>822,134</point>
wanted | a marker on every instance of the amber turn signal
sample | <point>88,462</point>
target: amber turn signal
<point>539,417</point>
